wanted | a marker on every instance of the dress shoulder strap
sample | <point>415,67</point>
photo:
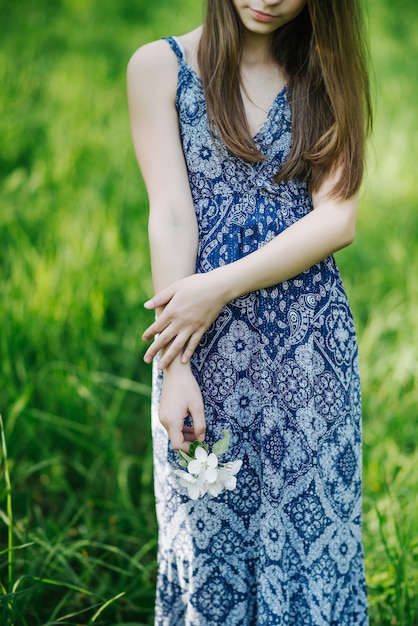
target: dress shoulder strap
<point>176,46</point>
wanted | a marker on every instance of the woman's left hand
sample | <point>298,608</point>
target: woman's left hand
<point>190,304</point>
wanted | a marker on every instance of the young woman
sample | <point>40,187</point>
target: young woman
<point>250,136</point>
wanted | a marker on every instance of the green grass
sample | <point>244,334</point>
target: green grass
<point>77,525</point>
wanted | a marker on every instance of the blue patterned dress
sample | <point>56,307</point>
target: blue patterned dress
<point>279,369</point>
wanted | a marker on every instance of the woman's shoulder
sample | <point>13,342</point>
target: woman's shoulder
<point>151,58</point>
<point>158,56</point>
<point>151,77</point>
<point>152,71</point>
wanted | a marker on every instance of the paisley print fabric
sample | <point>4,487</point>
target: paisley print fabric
<point>279,369</point>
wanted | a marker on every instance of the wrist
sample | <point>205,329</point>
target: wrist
<point>177,367</point>
<point>226,283</point>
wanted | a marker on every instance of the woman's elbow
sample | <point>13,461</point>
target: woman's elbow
<point>345,215</point>
<point>339,216</point>
<point>347,232</point>
<point>350,234</point>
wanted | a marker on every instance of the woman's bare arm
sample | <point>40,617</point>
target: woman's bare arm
<point>152,84</point>
<point>173,236</point>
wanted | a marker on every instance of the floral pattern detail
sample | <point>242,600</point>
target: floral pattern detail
<point>243,404</point>
<point>279,369</point>
<point>219,377</point>
<point>329,396</point>
<point>293,384</point>
<point>238,345</point>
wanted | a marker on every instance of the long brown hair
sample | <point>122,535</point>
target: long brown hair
<point>324,54</point>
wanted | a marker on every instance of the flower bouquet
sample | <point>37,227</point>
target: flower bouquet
<point>204,473</point>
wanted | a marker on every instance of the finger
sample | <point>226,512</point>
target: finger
<point>199,422</point>
<point>162,341</point>
<point>189,434</point>
<point>151,353</point>
<point>191,347</point>
<point>161,298</point>
<point>176,347</point>
<point>185,447</point>
<point>176,436</point>
<point>156,327</point>
<point>189,437</point>
<point>174,428</point>
<point>149,333</point>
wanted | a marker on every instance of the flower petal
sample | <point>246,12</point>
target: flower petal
<point>194,491</point>
<point>215,489</point>
<point>212,460</point>
<point>194,467</point>
<point>211,475</point>
<point>188,479</point>
<point>230,483</point>
<point>185,476</point>
<point>233,467</point>
<point>201,454</point>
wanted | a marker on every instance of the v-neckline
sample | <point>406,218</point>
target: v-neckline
<point>271,110</point>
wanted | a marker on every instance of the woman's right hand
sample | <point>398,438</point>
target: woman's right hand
<point>190,304</point>
<point>181,397</point>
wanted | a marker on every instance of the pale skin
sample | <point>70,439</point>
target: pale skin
<point>187,303</point>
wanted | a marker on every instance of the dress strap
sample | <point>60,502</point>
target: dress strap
<point>176,46</point>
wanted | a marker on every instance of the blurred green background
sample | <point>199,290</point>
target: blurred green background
<point>77,526</point>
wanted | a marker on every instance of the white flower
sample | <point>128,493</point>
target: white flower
<point>204,472</point>
<point>204,465</point>
<point>227,474</point>
<point>215,489</point>
<point>189,481</point>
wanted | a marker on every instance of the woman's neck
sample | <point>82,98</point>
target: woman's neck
<point>256,49</point>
